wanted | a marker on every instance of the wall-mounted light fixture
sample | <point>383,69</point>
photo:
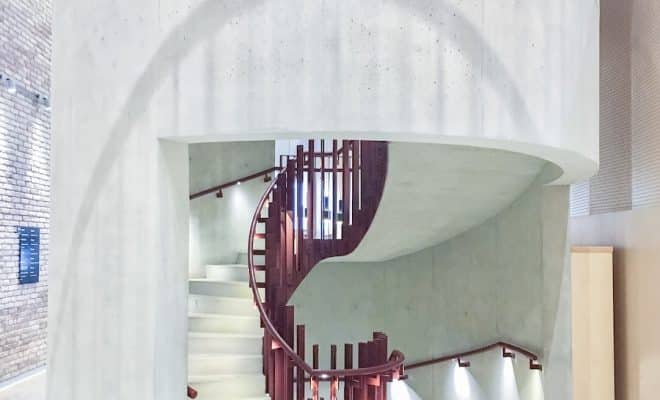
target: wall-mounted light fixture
<point>507,354</point>
<point>219,194</point>
<point>462,363</point>
<point>535,365</point>
<point>42,101</point>
<point>267,178</point>
<point>9,84</point>
<point>14,87</point>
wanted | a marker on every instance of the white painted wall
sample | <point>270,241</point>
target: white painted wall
<point>219,227</point>
<point>505,279</point>
<point>518,75</point>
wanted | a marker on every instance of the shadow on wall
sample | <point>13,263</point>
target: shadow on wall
<point>209,17</point>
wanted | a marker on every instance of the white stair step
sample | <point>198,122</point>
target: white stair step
<point>219,323</point>
<point>224,343</point>
<point>212,287</point>
<point>222,305</point>
<point>219,364</point>
<point>231,272</point>
<point>229,386</point>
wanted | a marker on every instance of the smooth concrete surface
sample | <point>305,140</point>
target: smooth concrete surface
<point>117,290</point>
<point>450,72</point>
<point>30,387</point>
<point>634,235</point>
<point>592,316</point>
<point>445,190</point>
<point>507,278</point>
<point>219,227</point>
<point>520,76</point>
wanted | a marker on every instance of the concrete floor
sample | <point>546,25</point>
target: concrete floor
<point>30,388</point>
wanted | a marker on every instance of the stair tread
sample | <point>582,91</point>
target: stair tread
<point>212,356</point>
<point>231,265</point>
<point>229,298</point>
<point>219,377</point>
<point>211,280</point>
<point>216,315</point>
<point>221,335</point>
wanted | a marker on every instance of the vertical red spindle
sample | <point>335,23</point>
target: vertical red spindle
<point>322,189</point>
<point>345,193</point>
<point>315,356</point>
<point>335,160</point>
<point>348,364</point>
<point>290,220</point>
<point>333,356</point>
<point>334,386</point>
<point>300,158</point>
<point>311,167</point>
<point>363,361</point>
<point>300,346</point>
<point>356,182</point>
<point>334,382</point>
<point>315,365</point>
<point>314,383</point>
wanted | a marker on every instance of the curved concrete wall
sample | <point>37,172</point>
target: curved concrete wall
<point>507,278</point>
<point>520,76</point>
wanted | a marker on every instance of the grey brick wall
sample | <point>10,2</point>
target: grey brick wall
<point>25,53</point>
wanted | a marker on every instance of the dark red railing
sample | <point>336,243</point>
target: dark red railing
<point>266,174</point>
<point>508,350</point>
<point>319,206</point>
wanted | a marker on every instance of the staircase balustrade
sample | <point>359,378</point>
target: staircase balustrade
<point>320,205</point>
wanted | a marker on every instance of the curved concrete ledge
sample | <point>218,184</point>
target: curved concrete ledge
<point>436,192</point>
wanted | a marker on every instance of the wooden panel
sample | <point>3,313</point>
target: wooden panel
<point>593,323</point>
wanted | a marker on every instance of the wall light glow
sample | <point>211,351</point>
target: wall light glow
<point>399,390</point>
<point>461,382</point>
<point>509,387</point>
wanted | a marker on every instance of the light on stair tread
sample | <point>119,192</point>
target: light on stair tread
<point>217,315</point>
<point>221,335</point>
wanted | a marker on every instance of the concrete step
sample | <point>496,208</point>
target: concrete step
<point>219,288</point>
<point>219,323</point>
<point>222,305</point>
<point>231,272</point>
<point>229,386</point>
<point>224,343</point>
<point>219,364</point>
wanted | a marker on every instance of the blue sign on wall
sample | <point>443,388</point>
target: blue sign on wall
<point>28,256</point>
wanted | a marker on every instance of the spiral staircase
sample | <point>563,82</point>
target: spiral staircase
<point>320,205</point>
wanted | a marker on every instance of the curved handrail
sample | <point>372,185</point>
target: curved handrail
<point>396,359</point>
<point>507,346</point>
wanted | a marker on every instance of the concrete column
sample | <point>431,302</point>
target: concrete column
<point>117,297</point>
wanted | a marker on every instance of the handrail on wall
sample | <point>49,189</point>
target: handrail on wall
<point>218,189</point>
<point>508,350</point>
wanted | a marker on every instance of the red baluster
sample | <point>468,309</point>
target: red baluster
<point>300,378</point>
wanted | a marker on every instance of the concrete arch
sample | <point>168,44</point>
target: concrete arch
<point>127,74</point>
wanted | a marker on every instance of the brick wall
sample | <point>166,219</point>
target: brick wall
<point>25,53</point>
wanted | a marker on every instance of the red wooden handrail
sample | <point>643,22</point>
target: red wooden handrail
<point>396,359</point>
<point>234,182</point>
<point>533,358</point>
